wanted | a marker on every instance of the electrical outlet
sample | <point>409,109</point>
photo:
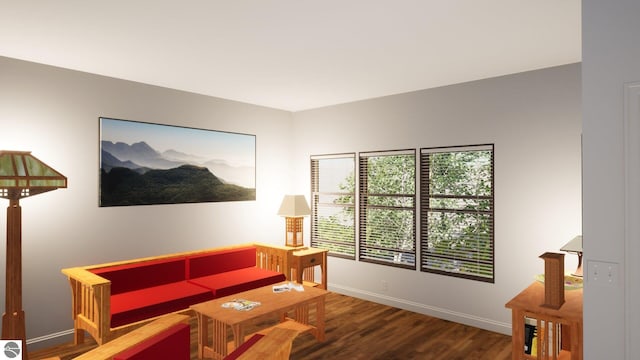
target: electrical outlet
<point>602,273</point>
<point>384,284</point>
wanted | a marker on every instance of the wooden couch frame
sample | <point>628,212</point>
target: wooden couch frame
<point>134,338</point>
<point>91,293</point>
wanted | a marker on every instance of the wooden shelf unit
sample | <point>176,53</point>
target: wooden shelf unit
<point>559,330</point>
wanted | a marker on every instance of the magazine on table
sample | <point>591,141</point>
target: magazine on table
<point>241,304</point>
<point>287,287</point>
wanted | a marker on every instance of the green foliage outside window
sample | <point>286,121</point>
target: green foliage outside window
<point>457,231</point>
<point>387,192</point>
<point>456,211</point>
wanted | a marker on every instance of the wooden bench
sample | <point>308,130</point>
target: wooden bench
<point>137,337</point>
<point>91,293</point>
<point>272,345</point>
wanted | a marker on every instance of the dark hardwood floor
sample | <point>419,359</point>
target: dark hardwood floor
<point>359,329</point>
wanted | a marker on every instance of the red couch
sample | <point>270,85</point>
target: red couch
<point>138,290</point>
<point>148,289</point>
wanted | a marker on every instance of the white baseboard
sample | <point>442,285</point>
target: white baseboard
<point>463,318</point>
<point>48,340</point>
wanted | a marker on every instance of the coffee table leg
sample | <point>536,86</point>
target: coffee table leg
<point>238,335</point>
<point>202,334</point>
<point>302,314</point>
<point>219,339</point>
<point>320,319</point>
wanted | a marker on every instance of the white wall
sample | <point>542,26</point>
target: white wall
<point>54,113</point>
<point>534,120</point>
<point>611,59</point>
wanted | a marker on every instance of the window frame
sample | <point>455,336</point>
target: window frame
<point>317,205</point>
<point>425,209</point>
<point>363,206</point>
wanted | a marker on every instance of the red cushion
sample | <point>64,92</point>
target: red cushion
<point>236,281</point>
<point>142,275</point>
<point>244,347</point>
<point>154,301</point>
<point>173,343</point>
<point>220,261</point>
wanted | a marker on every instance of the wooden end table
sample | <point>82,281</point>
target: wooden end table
<point>304,263</point>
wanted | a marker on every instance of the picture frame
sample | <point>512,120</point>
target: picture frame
<point>145,163</point>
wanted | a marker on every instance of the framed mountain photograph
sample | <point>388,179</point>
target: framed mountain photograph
<point>144,164</point>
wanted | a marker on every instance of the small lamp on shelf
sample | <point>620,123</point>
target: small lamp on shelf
<point>575,246</point>
<point>294,208</point>
<point>21,175</point>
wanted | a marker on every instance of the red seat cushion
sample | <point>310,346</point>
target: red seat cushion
<point>173,343</point>
<point>154,301</point>
<point>236,281</point>
<point>220,261</point>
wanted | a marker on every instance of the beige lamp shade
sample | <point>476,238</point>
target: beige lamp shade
<point>294,208</point>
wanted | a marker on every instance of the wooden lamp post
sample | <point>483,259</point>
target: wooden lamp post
<point>294,208</point>
<point>21,175</point>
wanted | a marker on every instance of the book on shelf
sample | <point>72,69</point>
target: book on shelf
<point>545,336</point>
<point>529,334</point>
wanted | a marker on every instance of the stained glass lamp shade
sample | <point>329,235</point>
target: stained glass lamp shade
<point>21,175</point>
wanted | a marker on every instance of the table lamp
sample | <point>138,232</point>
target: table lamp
<point>21,175</point>
<point>294,208</point>
<point>575,246</point>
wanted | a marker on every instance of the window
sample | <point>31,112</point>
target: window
<point>387,208</point>
<point>333,204</point>
<point>457,215</point>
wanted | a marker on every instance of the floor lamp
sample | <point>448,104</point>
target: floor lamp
<point>21,175</point>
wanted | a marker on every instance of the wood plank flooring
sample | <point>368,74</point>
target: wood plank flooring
<point>359,329</point>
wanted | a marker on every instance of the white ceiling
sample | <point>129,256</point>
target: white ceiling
<point>294,54</point>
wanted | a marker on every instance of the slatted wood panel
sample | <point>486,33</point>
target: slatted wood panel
<point>358,329</point>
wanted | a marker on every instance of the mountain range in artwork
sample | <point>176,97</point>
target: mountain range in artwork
<point>137,174</point>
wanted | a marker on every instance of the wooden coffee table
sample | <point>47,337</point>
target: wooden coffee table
<point>272,305</point>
